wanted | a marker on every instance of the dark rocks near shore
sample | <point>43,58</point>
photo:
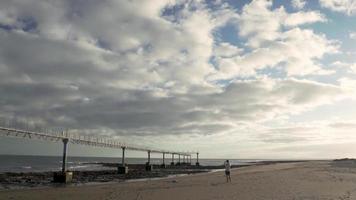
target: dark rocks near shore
<point>23,180</point>
<point>345,159</point>
<point>344,163</point>
<point>45,179</point>
<point>10,180</point>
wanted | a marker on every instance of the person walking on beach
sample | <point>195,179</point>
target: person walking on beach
<point>227,170</point>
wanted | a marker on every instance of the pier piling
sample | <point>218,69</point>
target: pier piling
<point>64,159</point>
<point>197,163</point>
<point>163,160</point>
<point>123,169</point>
<point>172,163</point>
<point>149,167</point>
<point>148,157</point>
<point>63,176</point>
<point>123,156</point>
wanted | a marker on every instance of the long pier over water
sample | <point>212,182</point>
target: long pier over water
<point>66,138</point>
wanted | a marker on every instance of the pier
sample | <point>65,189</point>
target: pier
<point>66,138</point>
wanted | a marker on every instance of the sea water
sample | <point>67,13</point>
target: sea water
<point>20,163</point>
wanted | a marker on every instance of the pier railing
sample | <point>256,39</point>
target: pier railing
<point>66,137</point>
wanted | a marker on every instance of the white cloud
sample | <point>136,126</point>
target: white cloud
<point>276,41</point>
<point>298,4</point>
<point>226,50</point>
<point>133,68</point>
<point>352,35</point>
<point>339,64</point>
<point>353,68</point>
<point>350,66</point>
<point>345,6</point>
<point>107,53</point>
<point>296,52</point>
<point>132,34</point>
<point>299,18</point>
<point>259,23</point>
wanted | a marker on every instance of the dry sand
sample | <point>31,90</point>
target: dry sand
<point>306,180</point>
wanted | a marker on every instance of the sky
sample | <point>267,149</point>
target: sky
<point>230,79</point>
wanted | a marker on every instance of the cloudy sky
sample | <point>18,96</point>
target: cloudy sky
<point>236,79</point>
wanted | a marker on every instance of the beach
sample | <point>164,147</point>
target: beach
<point>279,181</point>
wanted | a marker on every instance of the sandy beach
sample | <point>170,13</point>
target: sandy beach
<point>303,180</point>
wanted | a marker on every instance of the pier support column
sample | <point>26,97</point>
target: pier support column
<point>123,169</point>
<point>172,163</point>
<point>178,159</point>
<point>148,157</point>
<point>163,161</point>
<point>149,167</point>
<point>197,163</point>
<point>64,159</point>
<point>123,157</point>
<point>63,176</point>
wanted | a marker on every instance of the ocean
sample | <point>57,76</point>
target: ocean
<point>20,163</point>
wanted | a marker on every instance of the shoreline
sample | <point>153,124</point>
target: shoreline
<point>32,180</point>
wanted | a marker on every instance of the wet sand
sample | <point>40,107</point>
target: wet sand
<point>282,181</point>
